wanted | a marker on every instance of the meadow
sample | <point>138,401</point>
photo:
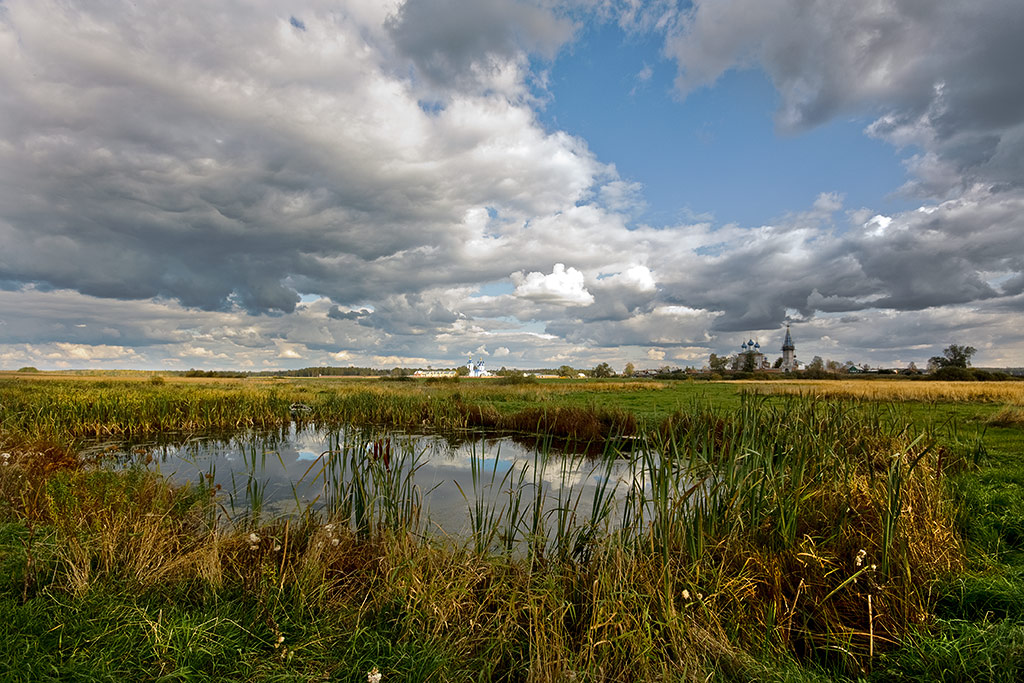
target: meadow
<point>820,534</point>
<point>1008,392</point>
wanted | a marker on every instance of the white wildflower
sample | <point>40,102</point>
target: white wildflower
<point>328,528</point>
<point>686,594</point>
<point>254,538</point>
<point>860,557</point>
<point>334,541</point>
<point>373,675</point>
<point>277,546</point>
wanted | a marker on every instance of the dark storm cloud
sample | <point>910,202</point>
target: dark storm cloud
<point>337,314</point>
<point>409,314</point>
<point>236,162</point>
<point>451,41</point>
<point>958,252</point>
<point>944,75</point>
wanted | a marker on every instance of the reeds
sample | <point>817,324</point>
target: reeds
<point>68,412</point>
<point>795,526</point>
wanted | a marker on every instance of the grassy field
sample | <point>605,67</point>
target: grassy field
<point>852,531</point>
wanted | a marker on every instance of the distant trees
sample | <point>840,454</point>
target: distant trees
<point>192,372</point>
<point>629,370</point>
<point>745,362</point>
<point>718,363</point>
<point>817,364</point>
<point>602,370</point>
<point>566,371</point>
<point>323,371</point>
<point>953,356</point>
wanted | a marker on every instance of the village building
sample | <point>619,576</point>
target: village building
<point>434,373</point>
<point>751,358</point>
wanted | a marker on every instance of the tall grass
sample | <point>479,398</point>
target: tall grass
<point>68,412</point>
<point>791,527</point>
<point>1010,392</point>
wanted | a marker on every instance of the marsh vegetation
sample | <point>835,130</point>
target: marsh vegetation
<point>725,534</point>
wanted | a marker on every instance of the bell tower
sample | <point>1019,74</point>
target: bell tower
<point>789,363</point>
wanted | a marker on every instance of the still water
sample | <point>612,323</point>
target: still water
<point>286,472</point>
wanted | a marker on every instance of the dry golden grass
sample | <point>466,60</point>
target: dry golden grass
<point>898,390</point>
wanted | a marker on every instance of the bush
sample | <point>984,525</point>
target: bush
<point>951,374</point>
<point>518,378</point>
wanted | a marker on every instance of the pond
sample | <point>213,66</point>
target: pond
<point>458,487</point>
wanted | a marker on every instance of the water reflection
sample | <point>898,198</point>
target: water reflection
<point>454,482</point>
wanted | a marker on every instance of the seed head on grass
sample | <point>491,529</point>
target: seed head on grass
<point>373,675</point>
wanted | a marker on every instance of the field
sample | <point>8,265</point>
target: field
<point>1009,393</point>
<point>781,531</point>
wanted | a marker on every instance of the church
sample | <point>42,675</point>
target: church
<point>751,357</point>
<point>789,362</point>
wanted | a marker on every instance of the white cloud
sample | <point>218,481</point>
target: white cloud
<point>564,287</point>
<point>637,278</point>
<point>88,353</point>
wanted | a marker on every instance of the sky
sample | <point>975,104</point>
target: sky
<point>256,185</point>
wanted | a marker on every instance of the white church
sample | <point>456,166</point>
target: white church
<point>477,369</point>
<point>752,349</point>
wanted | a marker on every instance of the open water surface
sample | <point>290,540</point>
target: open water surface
<point>301,467</point>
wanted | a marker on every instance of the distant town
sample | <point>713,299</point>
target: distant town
<point>748,362</point>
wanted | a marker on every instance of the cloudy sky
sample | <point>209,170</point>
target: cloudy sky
<point>255,184</point>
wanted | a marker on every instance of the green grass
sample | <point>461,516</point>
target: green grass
<point>106,637</point>
<point>738,561</point>
<point>956,650</point>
